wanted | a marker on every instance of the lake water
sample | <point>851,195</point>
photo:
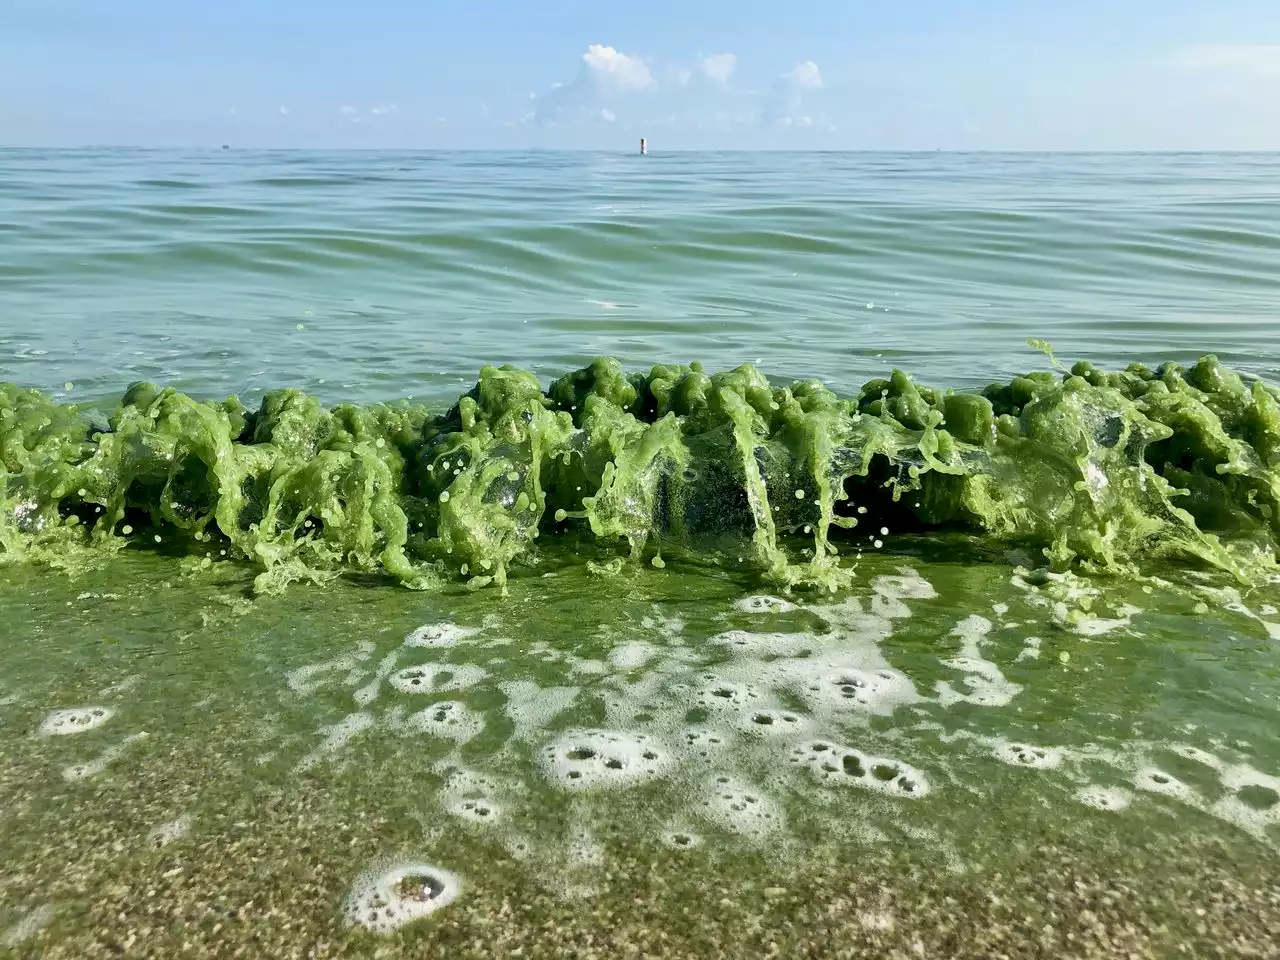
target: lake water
<point>674,664</point>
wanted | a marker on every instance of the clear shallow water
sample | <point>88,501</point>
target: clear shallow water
<point>271,751</point>
<point>410,271</point>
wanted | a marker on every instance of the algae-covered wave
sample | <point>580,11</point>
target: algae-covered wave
<point>1101,469</point>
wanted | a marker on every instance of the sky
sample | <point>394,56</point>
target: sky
<point>686,74</point>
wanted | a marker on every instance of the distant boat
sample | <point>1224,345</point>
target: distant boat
<point>644,146</point>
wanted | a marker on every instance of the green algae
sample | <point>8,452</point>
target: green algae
<point>1092,468</point>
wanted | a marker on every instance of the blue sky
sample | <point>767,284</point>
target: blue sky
<point>820,74</point>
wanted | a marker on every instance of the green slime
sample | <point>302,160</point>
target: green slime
<point>1094,469</point>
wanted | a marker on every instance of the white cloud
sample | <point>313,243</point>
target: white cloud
<point>349,111</point>
<point>386,110</point>
<point>806,75</point>
<point>616,68</point>
<point>720,66</point>
<point>605,72</point>
<point>1252,59</point>
<point>607,115</point>
<point>284,110</point>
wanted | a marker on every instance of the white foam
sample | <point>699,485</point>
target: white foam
<point>1030,649</point>
<point>436,677</point>
<point>1029,755</point>
<point>987,683</point>
<point>124,686</point>
<point>369,692</point>
<point>312,676</point>
<point>681,839</point>
<point>724,696</point>
<point>448,719</point>
<point>763,603</point>
<point>475,809</point>
<point>163,834</point>
<point>91,768</point>
<point>1155,780</point>
<point>1197,755</point>
<point>595,759</point>
<point>772,723</point>
<point>836,763</point>
<point>1112,799</point>
<point>444,634</point>
<point>834,685</point>
<point>1254,817</point>
<point>741,808</point>
<point>338,736</point>
<point>907,585</point>
<point>584,848</point>
<point>744,643</point>
<point>632,656</point>
<point>378,903</point>
<point>705,741</point>
<point>76,720</point>
<point>532,707</point>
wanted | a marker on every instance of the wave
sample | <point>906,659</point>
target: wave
<point>1094,469</point>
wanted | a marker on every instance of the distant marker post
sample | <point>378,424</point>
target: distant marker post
<point>644,146</point>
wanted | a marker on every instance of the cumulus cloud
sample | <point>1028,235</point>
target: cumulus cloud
<point>806,75</point>
<point>349,111</point>
<point>604,71</point>
<point>607,115</point>
<point>386,110</point>
<point>613,67</point>
<point>720,66</point>
<point>786,104</point>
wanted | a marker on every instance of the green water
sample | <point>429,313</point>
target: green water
<point>981,719</point>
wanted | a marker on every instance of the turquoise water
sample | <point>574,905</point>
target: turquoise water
<point>688,757</point>
<point>411,271</point>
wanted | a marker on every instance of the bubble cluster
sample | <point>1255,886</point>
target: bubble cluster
<point>681,839</point>
<point>835,763</point>
<point>476,809</point>
<point>75,720</point>
<point>1027,755</point>
<point>164,834</point>
<point>444,634</point>
<point>772,723</point>
<point>436,678</point>
<point>1155,780</point>
<point>448,719</point>
<point>386,900</point>
<point>1112,799</point>
<point>590,759</point>
<point>741,808</point>
<point>763,603</point>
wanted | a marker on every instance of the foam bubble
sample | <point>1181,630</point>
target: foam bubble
<point>908,584</point>
<point>164,834</point>
<point>532,707</point>
<point>835,686</point>
<point>1253,800</point>
<point>312,676</point>
<point>436,678</point>
<point>369,692</point>
<point>725,696</point>
<point>704,741</point>
<point>741,808</point>
<point>584,848</point>
<point>632,656</point>
<point>1112,799</point>
<point>744,643</point>
<point>444,634</point>
<point>337,736</point>
<point>1196,754</point>
<point>681,839</point>
<point>838,764</point>
<point>592,759</point>
<point>476,809</point>
<point>91,768</point>
<point>772,723</point>
<point>76,720</point>
<point>448,719</point>
<point>1028,755</point>
<point>1155,780</point>
<point>763,603</point>
<point>987,683</point>
<point>386,900</point>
